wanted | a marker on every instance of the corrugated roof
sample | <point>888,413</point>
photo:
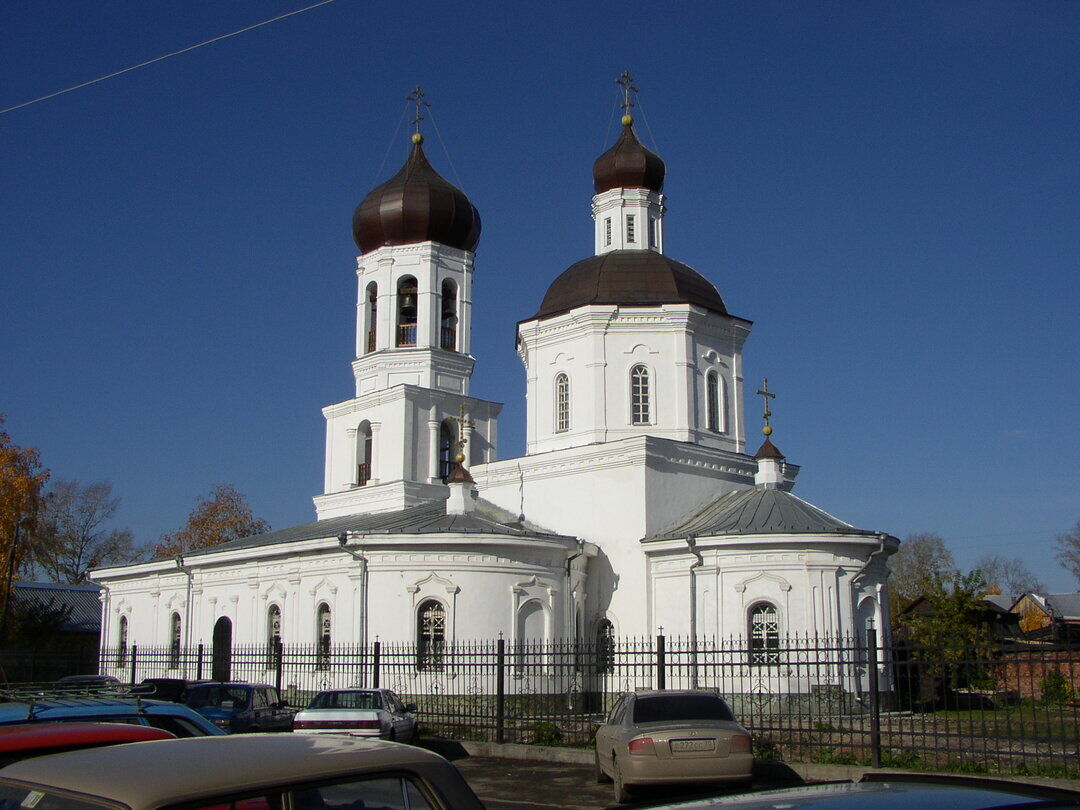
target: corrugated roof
<point>430,518</point>
<point>758,511</point>
<point>82,600</point>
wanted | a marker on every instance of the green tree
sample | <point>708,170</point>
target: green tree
<point>21,482</point>
<point>920,566</point>
<point>222,517</point>
<point>950,632</point>
<point>73,537</point>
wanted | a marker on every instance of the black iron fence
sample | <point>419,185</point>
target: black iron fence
<point>1002,708</point>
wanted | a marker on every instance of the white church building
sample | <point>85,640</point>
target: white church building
<point>636,505</point>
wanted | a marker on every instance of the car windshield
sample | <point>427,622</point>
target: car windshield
<point>680,707</point>
<point>225,697</point>
<point>18,797</point>
<point>346,700</point>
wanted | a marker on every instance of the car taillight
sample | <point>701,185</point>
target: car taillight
<point>642,747</point>
<point>740,744</point>
<point>221,723</point>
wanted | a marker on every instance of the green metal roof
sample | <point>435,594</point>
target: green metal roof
<point>429,518</point>
<point>758,510</point>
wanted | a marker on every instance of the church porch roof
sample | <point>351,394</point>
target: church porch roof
<point>758,511</point>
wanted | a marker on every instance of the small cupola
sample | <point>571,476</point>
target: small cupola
<point>770,461</point>
<point>462,500</point>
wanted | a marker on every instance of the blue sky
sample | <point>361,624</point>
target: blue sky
<point>888,190</point>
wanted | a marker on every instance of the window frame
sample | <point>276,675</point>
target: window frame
<point>562,402</point>
<point>641,410</point>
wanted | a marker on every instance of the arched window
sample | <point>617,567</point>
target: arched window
<point>430,635</point>
<point>640,406</point>
<point>273,635</point>
<point>605,646</point>
<point>174,641</point>
<point>122,642</point>
<point>372,314</point>
<point>322,653</point>
<point>406,313</point>
<point>764,632</point>
<point>364,449</point>
<point>562,403</point>
<point>716,402</point>
<point>449,320</point>
<point>447,449</point>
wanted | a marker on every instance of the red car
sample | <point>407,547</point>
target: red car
<point>35,739</point>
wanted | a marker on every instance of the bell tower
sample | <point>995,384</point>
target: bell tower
<point>392,445</point>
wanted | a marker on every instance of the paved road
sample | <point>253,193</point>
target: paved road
<point>513,784</point>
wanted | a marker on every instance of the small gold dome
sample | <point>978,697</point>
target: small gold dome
<point>417,138</point>
<point>627,120</point>
<point>767,430</point>
<point>460,458</point>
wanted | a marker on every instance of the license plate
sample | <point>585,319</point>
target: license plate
<point>680,746</point>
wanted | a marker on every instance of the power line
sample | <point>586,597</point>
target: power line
<point>165,56</point>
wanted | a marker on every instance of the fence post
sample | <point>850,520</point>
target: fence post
<point>500,691</point>
<point>375,656</point>
<point>134,655</point>
<point>278,663</point>
<point>875,698</point>
<point>198,663</point>
<point>661,663</point>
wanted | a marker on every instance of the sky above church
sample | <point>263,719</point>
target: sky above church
<point>890,191</point>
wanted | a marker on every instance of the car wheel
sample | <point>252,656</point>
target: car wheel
<point>601,777</point>
<point>622,792</point>
<point>392,736</point>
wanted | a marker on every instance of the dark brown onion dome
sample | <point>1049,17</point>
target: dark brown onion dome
<point>769,450</point>
<point>628,164</point>
<point>629,278</point>
<point>416,205</point>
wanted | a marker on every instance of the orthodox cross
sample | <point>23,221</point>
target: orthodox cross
<point>416,97</point>
<point>462,423</point>
<point>626,82</point>
<point>766,395</point>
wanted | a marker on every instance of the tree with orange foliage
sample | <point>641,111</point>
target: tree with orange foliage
<point>21,482</point>
<point>222,517</point>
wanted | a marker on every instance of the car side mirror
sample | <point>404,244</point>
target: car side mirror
<point>410,707</point>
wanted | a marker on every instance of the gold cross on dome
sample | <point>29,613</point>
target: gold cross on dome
<point>462,423</point>
<point>417,99</point>
<point>626,82</point>
<point>766,395</point>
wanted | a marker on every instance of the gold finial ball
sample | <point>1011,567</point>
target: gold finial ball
<point>417,138</point>
<point>767,430</point>
<point>459,458</point>
<point>627,120</point>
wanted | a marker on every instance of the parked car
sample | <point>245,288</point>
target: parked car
<point>52,707</point>
<point>88,681</point>
<point>26,740</point>
<point>174,689</point>
<point>241,707</point>
<point>251,771</point>
<point>886,791</point>
<point>657,737</point>
<point>363,712</point>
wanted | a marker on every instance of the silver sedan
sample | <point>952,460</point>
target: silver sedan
<point>658,737</point>
<point>360,712</point>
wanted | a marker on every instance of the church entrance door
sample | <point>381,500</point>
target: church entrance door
<point>221,667</point>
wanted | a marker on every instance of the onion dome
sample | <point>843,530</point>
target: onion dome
<point>416,205</point>
<point>629,278</point>
<point>628,164</point>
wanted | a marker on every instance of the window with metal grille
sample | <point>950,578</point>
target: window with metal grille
<point>365,447</point>
<point>273,634</point>
<point>605,646</point>
<point>448,333</point>
<point>764,634</point>
<point>607,231</point>
<point>122,642</point>
<point>406,320</point>
<point>652,232</point>
<point>562,403</point>
<point>714,402</point>
<point>372,314</point>
<point>322,652</point>
<point>447,448</point>
<point>174,641</point>
<point>430,635</point>
<point>640,412</point>
<point>630,237</point>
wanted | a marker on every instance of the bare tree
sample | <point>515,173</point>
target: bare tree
<point>922,565</point>
<point>1008,576</point>
<point>1068,546</point>
<point>73,536</point>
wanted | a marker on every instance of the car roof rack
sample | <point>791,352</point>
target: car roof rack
<point>79,695</point>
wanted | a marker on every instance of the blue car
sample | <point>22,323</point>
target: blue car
<point>241,707</point>
<point>57,707</point>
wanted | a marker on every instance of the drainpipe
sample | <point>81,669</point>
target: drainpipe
<point>569,589</point>
<point>187,610</point>
<point>691,546</point>
<point>343,540</point>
